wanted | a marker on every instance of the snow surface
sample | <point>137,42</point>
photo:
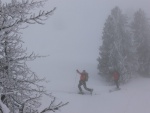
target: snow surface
<point>132,98</point>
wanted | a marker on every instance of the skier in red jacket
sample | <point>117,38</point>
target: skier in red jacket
<point>116,76</point>
<point>82,81</point>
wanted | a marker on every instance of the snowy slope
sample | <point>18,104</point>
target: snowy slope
<point>132,98</point>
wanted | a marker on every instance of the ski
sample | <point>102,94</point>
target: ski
<point>89,94</point>
<point>83,93</point>
<point>112,90</point>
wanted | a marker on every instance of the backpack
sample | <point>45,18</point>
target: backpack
<point>86,76</point>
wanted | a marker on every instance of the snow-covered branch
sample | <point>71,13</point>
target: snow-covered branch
<point>53,107</point>
<point>20,86</point>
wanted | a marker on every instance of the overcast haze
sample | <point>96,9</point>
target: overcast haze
<point>72,35</point>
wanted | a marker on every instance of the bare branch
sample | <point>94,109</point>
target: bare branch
<point>53,107</point>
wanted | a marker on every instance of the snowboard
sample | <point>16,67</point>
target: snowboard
<point>112,90</point>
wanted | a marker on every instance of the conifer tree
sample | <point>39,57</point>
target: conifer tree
<point>116,50</point>
<point>141,35</point>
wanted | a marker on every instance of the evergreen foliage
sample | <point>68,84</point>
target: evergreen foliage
<point>126,46</point>
<point>116,51</point>
<point>141,35</point>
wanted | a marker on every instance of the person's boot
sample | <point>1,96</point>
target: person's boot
<point>81,92</point>
<point>91,91</point>
<point>117,88</point>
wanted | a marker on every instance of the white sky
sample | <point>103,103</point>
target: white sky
<point>72,35</point>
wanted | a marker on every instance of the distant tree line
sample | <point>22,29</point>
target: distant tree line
<point>125,46</point>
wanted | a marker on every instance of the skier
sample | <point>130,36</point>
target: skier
<point>82,81</point>
<point>116,76</point>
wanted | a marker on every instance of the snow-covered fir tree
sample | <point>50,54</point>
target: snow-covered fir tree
<point>116,50</point>
<point>141,34</point>
<point>20,90</point>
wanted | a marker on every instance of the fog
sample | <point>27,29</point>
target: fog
<point>72,36</point>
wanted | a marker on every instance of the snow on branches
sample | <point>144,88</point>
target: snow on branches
<point>15,14</point>
<point>20,89</point>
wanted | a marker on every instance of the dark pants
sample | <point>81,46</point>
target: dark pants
<point>116,83</point>
<point>84,85</point>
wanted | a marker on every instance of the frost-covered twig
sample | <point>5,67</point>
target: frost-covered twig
<point>53,107</point>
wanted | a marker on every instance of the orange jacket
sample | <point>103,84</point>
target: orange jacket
<point>116,75</point>
<point>82,75</point>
